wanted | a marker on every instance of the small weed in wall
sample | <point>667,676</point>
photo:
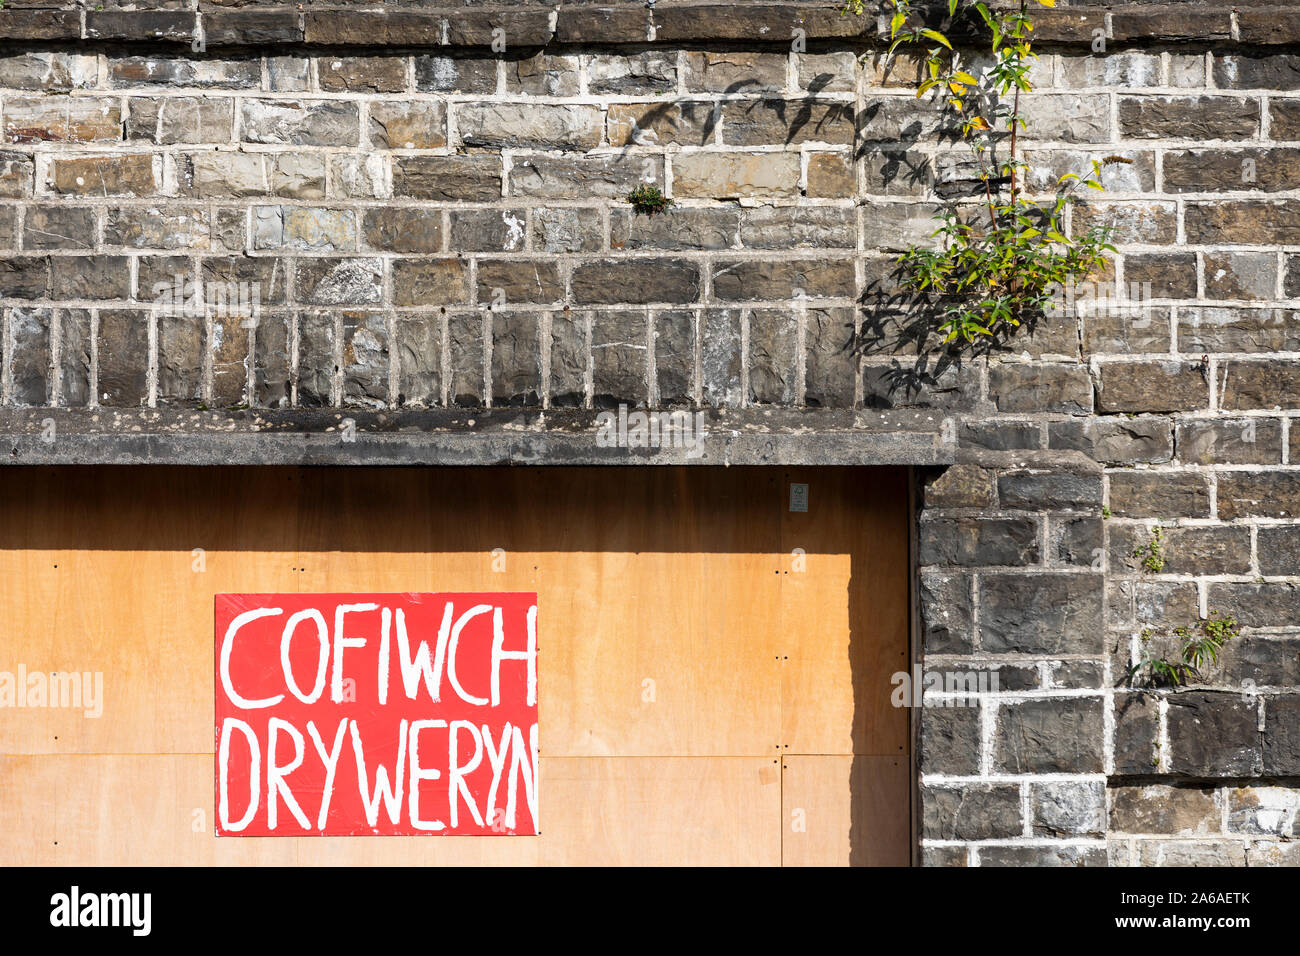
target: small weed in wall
<point>648,200</point>
<point>1152,553</point>
<point>1199,645</point>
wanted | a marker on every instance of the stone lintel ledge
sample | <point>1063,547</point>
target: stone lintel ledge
<point>44,436</point>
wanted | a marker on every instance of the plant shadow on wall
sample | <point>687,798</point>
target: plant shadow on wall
<point>999,257</point>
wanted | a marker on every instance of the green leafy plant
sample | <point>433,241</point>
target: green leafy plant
<point>1152,553</point>
<point>1005,259</point>
<point>1198,646</point>
<point>648,200</point>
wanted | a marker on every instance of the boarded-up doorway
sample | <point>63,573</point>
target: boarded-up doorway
<point>714,667</point>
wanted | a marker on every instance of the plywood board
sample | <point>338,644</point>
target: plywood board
<point>117,810</point>
<point>842,810</point>
<point>844,612</point>
<point>661,811</point>
<point>111,583</point>
<point>680,651</point>
<point>660,622</point>
<point>155,810</point>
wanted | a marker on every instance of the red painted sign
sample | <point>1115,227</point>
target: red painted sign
<point>376,714</point>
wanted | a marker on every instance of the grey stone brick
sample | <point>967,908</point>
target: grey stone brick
<point>594,176</point>
<point>1137,731</point>
<point>541,126</point>
<point>1282,735</point>
<point>446,74</point>
<point>419,360</point>
<point>635,281</point>
<point>1259,494</point>
<point>1213,734</point>
<point>402,229</point>
<point>618,345</point>
<point>1125,441</point>
<point>773,357</point>
<point>1260,384</point>
<point>976,542</point>
<point>543,74</point>
<point>29,354</point>
<point>674,343</point>
<point>798,227</point>
<point>649,72</point>
<point>1042,490</point>
<point>271,372</point>
<point>1167,810</point>
<point>1058,735</point>
<point>430,282</point>
<point>720,350</point>
<point>300,122</point>
<point>489,230</point>
<point>1137,494</point>
<point>1159,386</point>
<point>230,358</point>
<point>730,72</point>
<point>950,740</point>
<point>1041,613</point>
<point>516,358</point>
<point>334,281</point>
<point>568,358</point>
<point>417,124</point>
<point>830,365</point>
<point>1021,856</point>
<point>59,227</point>
<point>773,122</point>
<point>674,229</point>
<point>1068,809</point>
<point>473,178</point>
<point>567,229</point>
<point>971,812</point>
<point>123,357</point>
<point>318,361</point>
<point>514,281</point>
<point>946,611</point>
<point>750,280</point>
<point>365,359</point>
<point>365,74</point>
<point>1258,605</point>
<point>1188,117</point>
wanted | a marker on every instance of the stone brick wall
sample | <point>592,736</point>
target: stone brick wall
<point>447,268</point>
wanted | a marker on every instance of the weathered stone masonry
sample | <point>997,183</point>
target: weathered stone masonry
<point>441,250</point>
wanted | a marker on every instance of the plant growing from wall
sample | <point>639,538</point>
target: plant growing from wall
<point>648,200</point>
<point>1152,553</point>
<point>1198,646</point>
<point>1005,259</point>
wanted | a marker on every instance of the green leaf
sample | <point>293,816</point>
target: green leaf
<point>896,23</point>
<point>937,37</point>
